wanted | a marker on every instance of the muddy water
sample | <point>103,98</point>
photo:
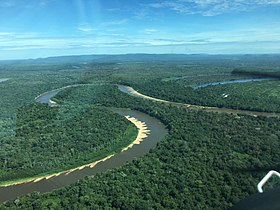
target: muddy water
<point>157,133</point>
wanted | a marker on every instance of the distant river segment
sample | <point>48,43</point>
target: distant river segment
<point>130,91</point>
<point>4,80</point>
<point>233,81</point>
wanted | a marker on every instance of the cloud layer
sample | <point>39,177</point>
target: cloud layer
<point>98,26</point>
<point>212,7</point>
<point>24,3</point>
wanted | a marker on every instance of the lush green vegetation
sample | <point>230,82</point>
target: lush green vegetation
<point>208,161</point>
<point>37,139</point>
<point>55,139</point>
<point>254,96</point>
<point>176,81</point>
<point>26,81</point>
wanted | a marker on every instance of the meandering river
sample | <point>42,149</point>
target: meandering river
<point>157,133</point>
<point>132,92</point>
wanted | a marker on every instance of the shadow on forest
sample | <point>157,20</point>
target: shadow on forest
<point>272,75</point>
<point>256,169</point>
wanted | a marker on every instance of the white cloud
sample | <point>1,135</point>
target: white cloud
<point>267,2</point>
<point>151,30</point>
<point>141,14</point>
<point>4,34</point>
<point>25,3</point>
<point>25,42</point>
<point>6,4</point>
<point>212,7</point>
<point>85,29</point>
<point>115,22</point>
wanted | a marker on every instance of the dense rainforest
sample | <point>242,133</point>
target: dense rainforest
<point>183,88</point>
<point>208,160</point>
<point>37,139</point>
<point>47,137</point>
<point>235,96</point>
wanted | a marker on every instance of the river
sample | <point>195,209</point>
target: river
<point>4,80</point>
<point>157,133</point>
<point>233,81</point>
<point>132,92</point>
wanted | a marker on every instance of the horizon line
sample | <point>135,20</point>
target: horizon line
<point>140,53</point>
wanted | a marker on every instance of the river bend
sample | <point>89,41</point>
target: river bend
<point>157,132</point>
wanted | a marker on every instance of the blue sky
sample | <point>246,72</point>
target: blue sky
<point>42,28</point>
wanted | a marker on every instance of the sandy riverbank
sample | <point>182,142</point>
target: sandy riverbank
<point>143,132</point>
<point>136,93</point>
<point>133,92</point>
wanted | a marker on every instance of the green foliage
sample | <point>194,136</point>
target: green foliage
<point>255,96</point>
<point>55,139</point>
<point>175,81</point>
<point>208,161</point>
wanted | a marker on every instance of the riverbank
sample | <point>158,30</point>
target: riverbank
<point>53,92</point>
<point>143,133</point>
<point>132,92</point>
<point>4,80</point>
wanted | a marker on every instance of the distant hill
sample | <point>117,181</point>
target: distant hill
<point>156,57</point>
<point>141,57</point>
<point>127,57</point>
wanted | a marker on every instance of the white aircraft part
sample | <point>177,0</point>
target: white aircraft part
<point>266,178</point>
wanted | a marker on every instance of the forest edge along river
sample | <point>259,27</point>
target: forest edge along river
<point>234,81</point>
<point>157,133</point>
<point>151,132</point>
<point>132,92</point>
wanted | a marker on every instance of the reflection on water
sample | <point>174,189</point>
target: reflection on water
<point>46,97</point>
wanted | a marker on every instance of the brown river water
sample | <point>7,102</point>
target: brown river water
<point>157,133</point>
